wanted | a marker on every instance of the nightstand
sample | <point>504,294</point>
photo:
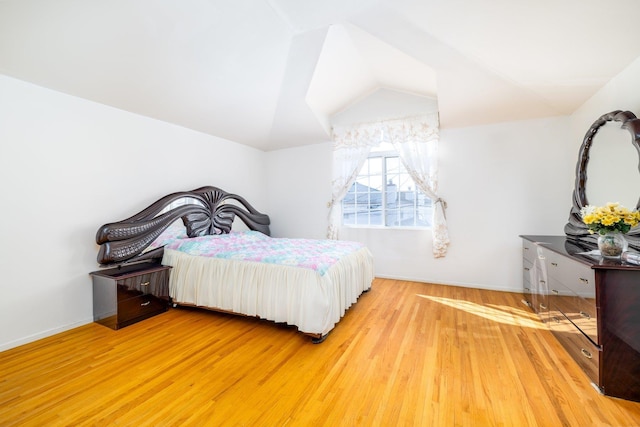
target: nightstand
<point>125,295</point>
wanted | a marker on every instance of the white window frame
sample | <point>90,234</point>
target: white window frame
<point>385,153</point>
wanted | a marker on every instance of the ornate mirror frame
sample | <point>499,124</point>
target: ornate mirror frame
<point>575,228</point>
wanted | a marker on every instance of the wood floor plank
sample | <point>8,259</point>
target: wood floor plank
<point>408,353</point>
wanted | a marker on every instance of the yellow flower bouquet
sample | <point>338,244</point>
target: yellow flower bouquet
<point>609,218</point>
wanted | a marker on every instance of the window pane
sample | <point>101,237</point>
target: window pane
<point>424,217</point>
<point>375,166</point>
<point>385,195</point>
<point>361,185</point>
<point>375,182</point>
<point>393,165</point>
<point>376,216</point>
<point>391,192</point>
<point>348,218</point>
<point>392,218</point>
<point>407,215</point>
<point>405,183</point>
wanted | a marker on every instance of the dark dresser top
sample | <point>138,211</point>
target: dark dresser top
<point>576,249</point>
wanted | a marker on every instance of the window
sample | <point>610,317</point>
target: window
<point>385,195</point>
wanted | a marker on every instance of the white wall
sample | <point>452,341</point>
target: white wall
<point>299,188</point>
<point>621,93</point>
<point>499,181</point>
<point>67,166</point>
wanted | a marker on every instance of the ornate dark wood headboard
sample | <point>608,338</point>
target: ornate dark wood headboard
<point>208,212</point>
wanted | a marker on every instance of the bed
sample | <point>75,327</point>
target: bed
<point>301,282</point>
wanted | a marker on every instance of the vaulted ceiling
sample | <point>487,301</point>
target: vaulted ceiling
<point>272,73</point>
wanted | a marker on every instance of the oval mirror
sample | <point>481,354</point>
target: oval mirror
<point>608,170</point>
<point>613,168</point>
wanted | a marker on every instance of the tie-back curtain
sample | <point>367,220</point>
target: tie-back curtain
<point>416,141</point>
<point>351,146</point>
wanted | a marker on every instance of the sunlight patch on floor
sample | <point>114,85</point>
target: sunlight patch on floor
<point>497,313</point>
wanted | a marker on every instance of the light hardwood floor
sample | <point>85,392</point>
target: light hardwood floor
<point>406,354</point>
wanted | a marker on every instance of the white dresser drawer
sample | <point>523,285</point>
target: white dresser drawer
<point>529,251</point>
<point>578,277</point>
<point>572,289</point>
<point>582,313</point>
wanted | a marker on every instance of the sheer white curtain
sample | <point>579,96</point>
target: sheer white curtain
<point>416,140</point>
<point>351,146</point>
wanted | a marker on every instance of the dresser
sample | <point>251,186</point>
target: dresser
<point>591,305</point>
<point>125,295</point>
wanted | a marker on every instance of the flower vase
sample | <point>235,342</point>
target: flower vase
<point>612,244</point>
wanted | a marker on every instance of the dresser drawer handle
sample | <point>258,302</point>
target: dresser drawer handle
<point>555,319</point>
<point>584,281</point>
<point>585,315</point>
<point>555,292</point>
<point>527,289</point>
<point>543,282</point>
<point>144,304</point>
<point>555,264</point>
<point>542,306</point>
<point>526,269</point>
<point>586,353</point>
<point>144,284</point>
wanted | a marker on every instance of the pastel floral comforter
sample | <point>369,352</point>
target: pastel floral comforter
<point>317,255</point>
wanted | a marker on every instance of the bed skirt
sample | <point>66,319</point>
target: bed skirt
<point>297,296</point>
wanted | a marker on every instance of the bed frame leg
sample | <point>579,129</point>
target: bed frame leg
<point>319,339</point>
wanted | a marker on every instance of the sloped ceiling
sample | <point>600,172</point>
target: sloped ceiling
<point>272,73</point>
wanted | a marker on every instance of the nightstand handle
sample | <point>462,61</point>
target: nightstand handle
<point>144,284</point>
<point>144,304</point>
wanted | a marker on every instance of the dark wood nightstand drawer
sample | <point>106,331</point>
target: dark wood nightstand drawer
<point>155,282</point>
<point>134,309</point>
<point>126,295</point>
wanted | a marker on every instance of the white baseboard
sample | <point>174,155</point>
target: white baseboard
<point>458,284</point>
<point>44,334</point>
